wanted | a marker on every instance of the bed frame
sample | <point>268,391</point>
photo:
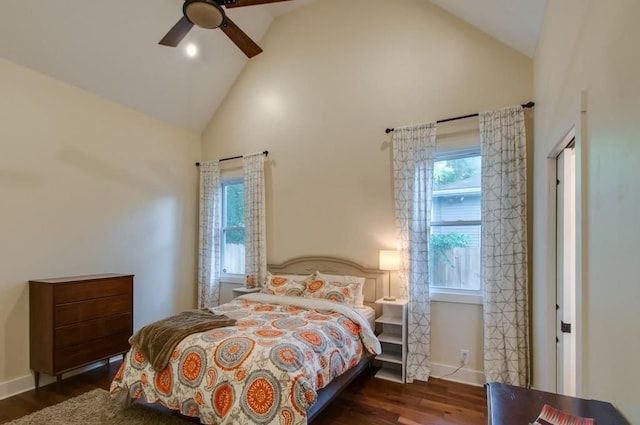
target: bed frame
<point>372,287</point>
<point>374,280</point>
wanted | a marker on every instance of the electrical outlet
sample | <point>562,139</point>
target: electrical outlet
<point>464,357</point>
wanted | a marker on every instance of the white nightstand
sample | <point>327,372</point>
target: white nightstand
<point>393,340</point>
<point>241,290</point>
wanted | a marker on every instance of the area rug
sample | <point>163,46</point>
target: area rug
<point>97,408</point>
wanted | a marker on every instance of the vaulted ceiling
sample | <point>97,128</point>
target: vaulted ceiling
<point>111,48</point>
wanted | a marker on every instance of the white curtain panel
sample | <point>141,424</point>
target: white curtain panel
<point>209,234</point>
<point>504,246</point>
<point>254,216</point>
<point>413,159</point>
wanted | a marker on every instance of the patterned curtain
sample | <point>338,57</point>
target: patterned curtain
<point>209,235</point>
<point>504,246</point>
<point>413,159</point>
<point>254,216</point>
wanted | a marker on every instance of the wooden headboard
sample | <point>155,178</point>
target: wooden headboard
<point>373,285</point>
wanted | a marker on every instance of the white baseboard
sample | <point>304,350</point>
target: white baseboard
<point>17,386</point>
<point>27,382</point>
<point>464,375</point>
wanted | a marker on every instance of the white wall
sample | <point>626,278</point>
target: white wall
<point>332,77</point>
<point>88,186</point>
<point>593,46</point>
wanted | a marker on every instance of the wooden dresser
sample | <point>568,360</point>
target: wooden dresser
<point>75,321</point>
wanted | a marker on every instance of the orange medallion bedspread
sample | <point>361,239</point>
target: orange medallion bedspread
<point>266,369</point>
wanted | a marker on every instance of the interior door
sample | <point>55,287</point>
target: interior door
<point>566,272</point>
<point>559,271</point>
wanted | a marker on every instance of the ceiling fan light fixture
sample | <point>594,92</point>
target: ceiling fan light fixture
<point>203,13</point>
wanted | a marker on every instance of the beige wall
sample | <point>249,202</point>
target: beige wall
<point>88,186</point>
<point>593,46</point>
<point>332,76</point>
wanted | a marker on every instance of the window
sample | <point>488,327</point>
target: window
<point>454,248</point>
<point>232,246</point>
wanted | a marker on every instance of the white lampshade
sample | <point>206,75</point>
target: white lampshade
<point>389,260</point>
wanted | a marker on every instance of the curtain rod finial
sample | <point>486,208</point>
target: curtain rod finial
<point>389,130</point>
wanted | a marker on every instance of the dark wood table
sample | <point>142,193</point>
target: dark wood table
<point>510,405</point>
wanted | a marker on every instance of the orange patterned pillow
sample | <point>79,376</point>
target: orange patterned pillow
<point>292,285</point>
<point>356,283</point>
<point>337,291</point>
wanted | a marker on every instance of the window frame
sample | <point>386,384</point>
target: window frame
<point>228,277</point>
<point>452,295</point>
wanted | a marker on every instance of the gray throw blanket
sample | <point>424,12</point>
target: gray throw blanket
<point>158,340</point>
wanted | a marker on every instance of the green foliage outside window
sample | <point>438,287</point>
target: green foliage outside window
<point>234,212</point>
<point>440,243</point>
<point>449,171</point>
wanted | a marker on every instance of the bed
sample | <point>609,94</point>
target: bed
<point>284,360</point>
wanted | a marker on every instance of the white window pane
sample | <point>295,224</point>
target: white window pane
<point>454,255</point>
<point>233,251</point>
<point>454,252</point>
<point>233,245</point>
<point>456,189</point>
<point>233,215</point>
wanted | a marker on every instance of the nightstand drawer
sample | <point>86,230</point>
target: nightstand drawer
<point>87,310</point>
<point>82,332</point>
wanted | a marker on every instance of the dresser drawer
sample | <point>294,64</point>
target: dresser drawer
<point>86,331</point>
<point>66,314</point>
<point>70,292</point>
<point>75,356</point>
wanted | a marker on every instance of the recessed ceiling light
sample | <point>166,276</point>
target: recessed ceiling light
<point>191,50</point>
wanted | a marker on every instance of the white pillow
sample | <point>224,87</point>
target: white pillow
<point>356,282</point>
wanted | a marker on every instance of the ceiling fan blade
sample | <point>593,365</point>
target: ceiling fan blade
<point>242,40</point>
<point>241,3</point>
<point>177,33</point>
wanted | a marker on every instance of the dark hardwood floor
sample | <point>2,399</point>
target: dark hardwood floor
<point>367,401</point>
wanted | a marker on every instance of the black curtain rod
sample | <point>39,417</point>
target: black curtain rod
<point>524,105</point>
<point>265,153</point>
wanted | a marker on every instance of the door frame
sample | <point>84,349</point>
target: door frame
<point>566,344</point>
<point>577,124</point>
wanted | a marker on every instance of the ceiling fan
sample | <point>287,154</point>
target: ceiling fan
<point>210,14</point>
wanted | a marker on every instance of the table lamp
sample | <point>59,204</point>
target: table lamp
<point>389,260</point>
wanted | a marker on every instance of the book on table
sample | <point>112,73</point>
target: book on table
<point>551,416</point>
